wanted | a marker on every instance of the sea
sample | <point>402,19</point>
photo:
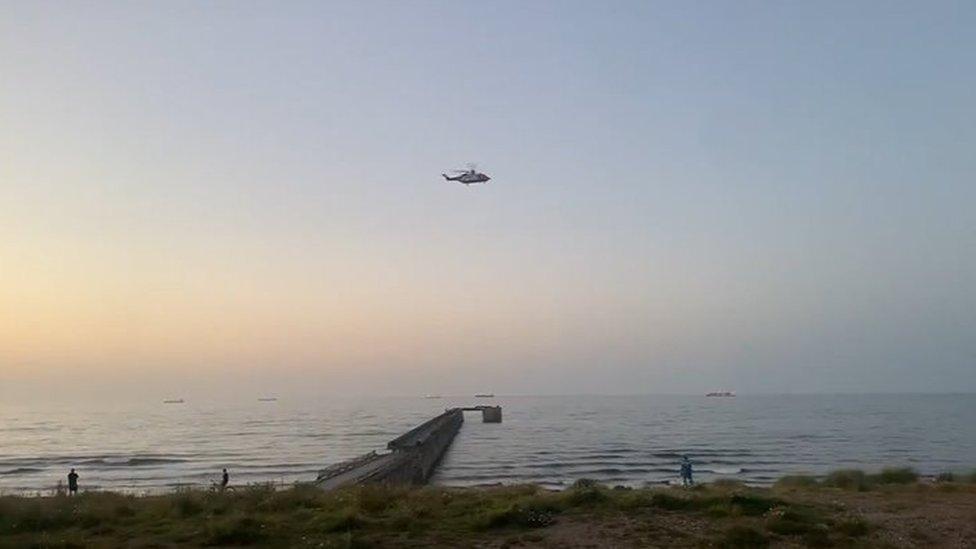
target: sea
<point>548,440</point>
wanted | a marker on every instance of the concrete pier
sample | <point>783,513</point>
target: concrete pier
<point>413,455</point>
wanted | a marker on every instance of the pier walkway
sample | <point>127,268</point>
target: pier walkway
<point>413,455</point>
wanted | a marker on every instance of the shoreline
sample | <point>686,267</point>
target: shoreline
<point>962,476</point>
<point>893,508</point>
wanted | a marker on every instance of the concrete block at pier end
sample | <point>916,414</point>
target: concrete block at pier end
<point>491,414</point>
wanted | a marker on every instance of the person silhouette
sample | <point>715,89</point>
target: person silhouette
<point>72,482</point>
<point>686,472</point>
<point>224,480</point>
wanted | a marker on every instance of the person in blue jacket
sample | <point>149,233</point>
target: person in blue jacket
<point>686,472</point>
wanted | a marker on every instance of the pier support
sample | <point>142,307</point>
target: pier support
<point>491,414</point>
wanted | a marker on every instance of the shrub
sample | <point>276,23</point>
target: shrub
<point>817,537</point>
<point>342,522</point>
<point>590,495</point>
<point>902,475</point>
<point>671,503</point>
<point>727,484</point>
<point>124,509</point>
<point>36,515</point>
<point>854,527</point>
<point>374,499</point>
<point>786,527</point>
<point>847,479</point>
<point>751,505</point>
<point>743,536</point>
<point>636,499</point>
<point>302,496</point>
<point>796,481</point>
<point>186,504</point>
<point>584,483</point>
<point>520,516</point>
<point>946,476</point>
<point>236,531</point>
<point>788,521</point>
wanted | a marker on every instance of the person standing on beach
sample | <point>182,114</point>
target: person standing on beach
<point>72,482</point>
<point>686,473</point>
<point>224,480</point>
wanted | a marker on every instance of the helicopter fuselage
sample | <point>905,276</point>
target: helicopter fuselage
<point>468,178</point>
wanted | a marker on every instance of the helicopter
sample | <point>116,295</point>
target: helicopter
<point>468,176</point>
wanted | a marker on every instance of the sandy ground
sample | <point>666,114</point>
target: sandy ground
<point>899,518</point>
<point>924,517</point>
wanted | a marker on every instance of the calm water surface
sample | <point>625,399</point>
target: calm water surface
<point>633,440</point>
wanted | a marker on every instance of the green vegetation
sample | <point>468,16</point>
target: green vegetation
<point>903,475</point>
<point>852,479</point>
<point>744,537</point>
<point>796,481</point>
<point>847,479</point>
<point>799,510</point>
<point>947,476</point>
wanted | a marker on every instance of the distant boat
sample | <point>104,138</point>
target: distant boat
<point>173,401</point>
<point>485,395</point>
<point>268,399</point>
<point>432,396</point>
<point>720,394</point>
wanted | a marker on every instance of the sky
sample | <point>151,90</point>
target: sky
<point>245,197</point>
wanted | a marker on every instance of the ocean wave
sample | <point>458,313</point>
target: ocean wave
<point>356,434</point>
<point>614,455</point>
<point>725,470</point>
<point>21,471</point>
<point>702,452</point>
<point>130,462</point>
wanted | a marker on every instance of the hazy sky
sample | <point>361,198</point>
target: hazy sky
<point>769,196</point>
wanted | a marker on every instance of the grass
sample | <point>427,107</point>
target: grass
<point>796,482</point>
<point>744,537</point>
<point>946,476</point>
<point>853,479</point>
<point>847,479</point>
<point>902,475</point>
<point>730,515</point>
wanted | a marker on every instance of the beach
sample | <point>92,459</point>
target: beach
<point>846,509</point>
